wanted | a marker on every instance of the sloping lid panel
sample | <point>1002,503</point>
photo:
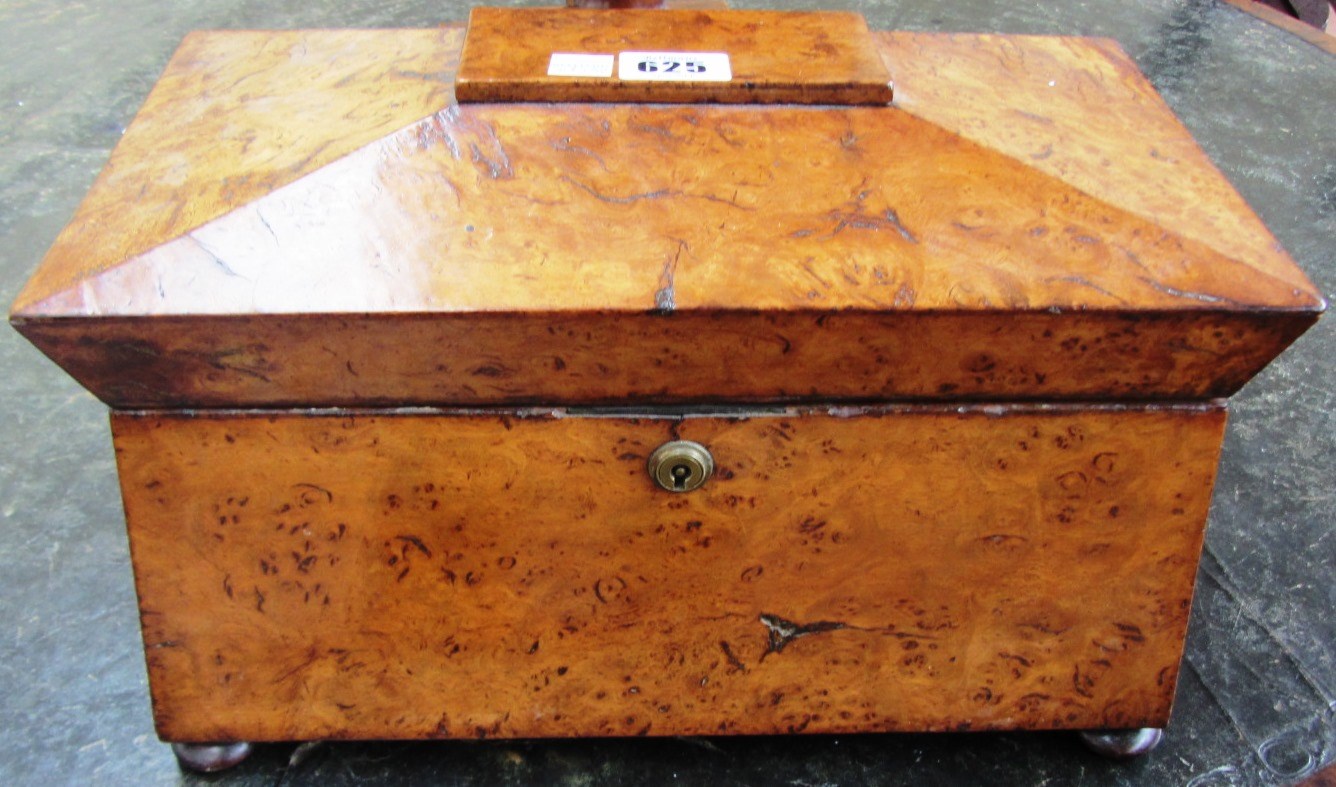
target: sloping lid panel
<point>235,115</point>
<point>1079,110</point>
<point>587,253</point>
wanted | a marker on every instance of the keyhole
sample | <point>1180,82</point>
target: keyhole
<point>680,475</point>
<point>680,465</point>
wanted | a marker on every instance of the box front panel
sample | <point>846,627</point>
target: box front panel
<point>429,574</point>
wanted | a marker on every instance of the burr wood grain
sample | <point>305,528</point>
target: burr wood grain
<point>370,575</point>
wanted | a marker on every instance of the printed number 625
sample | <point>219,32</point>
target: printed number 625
<point>669,66</point>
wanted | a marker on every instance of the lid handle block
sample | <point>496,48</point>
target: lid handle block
<point>669,55</point>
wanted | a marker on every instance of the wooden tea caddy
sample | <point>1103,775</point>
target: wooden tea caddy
<point>416,367</point>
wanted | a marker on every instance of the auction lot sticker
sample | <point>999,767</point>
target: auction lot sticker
<point>674,67</point>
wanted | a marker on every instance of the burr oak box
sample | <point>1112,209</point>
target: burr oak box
<point>606,373</point>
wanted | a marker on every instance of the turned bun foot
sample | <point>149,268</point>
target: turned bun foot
<point>210,757</point>
<point>1122,744</point>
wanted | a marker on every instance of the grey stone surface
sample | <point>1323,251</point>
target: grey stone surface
<point>1256,702</point>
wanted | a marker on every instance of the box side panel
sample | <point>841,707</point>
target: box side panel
<point>421,576</point>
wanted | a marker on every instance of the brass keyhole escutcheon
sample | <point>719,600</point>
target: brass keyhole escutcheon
<point>681,466</point>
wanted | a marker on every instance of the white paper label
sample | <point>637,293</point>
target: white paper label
<point>569,64</point>
<point>674,67</point>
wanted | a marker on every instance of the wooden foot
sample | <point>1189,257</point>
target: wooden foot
<point>210,757</point>
<point>1122,744</point>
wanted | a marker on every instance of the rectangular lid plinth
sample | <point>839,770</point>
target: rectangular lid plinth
<point>771,57</point>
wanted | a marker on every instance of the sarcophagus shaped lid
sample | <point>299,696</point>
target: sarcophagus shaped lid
<point>658,207</point>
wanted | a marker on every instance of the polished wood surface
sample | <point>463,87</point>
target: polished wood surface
<point>1134,154</point>
<point>1023,245</point>
<point>649,358</point>
<point>236,115</point>
<point>428,574</point>
<point>692,5</point>
<point>777,57</point>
